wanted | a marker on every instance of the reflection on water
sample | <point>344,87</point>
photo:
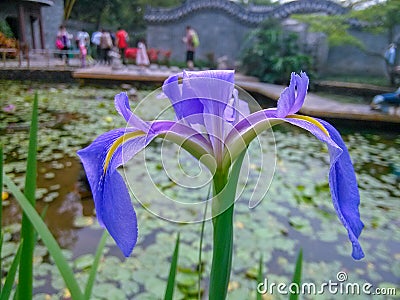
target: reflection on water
<point>68,200</point>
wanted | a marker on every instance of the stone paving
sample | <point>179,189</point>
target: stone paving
<point>314,105</point>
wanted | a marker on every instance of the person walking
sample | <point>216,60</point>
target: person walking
<point>82,54</point>
<point>105,44</point>
<point>83,44</point>
<point>191,40</point>
<point>142,59</point>
<point>96,36</point>
<point>122,39</point>
<point>65,41</point>
<point>390,58</point>
<point>82,37</point>
<point>390,54</point>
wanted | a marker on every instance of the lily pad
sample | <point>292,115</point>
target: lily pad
<point>84,262</point>
<point>80,222</point>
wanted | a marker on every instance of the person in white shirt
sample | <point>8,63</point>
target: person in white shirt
<point>96,36</point>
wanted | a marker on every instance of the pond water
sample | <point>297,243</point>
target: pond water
<point>295,213</point>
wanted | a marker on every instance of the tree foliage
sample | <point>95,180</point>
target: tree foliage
<point>334,26</point>
<point>381,17</point>
<point>273,53</point>
<point>114,13</point>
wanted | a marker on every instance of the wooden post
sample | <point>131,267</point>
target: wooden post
<point>33,31</point>
<point>4,58</point>
<point>42,41</point>
<point>22,28</point>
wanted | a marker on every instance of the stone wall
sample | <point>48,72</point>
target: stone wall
<point>352,60</point>
<point>222,27</point>
<point>221,37</point>
<point>52,19</point>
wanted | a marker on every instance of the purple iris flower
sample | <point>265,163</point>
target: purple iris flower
<point>215,127</point>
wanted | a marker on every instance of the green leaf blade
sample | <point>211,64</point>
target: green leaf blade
<point>25,286</point>
<point>297,275</point>
<point>169,291</point>
<point>260,276</point>
<point>95,266</point>
<point>10,278</point>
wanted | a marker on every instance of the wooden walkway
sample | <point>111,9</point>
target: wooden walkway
<point>125,74</point>
<point>314,105</point>
<point>323,107</point>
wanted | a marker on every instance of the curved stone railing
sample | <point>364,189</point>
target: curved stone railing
<point>44,2</point>
<point>242,14</point>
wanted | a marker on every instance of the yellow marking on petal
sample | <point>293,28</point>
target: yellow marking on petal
<point>118,142</point>
<point>312,121</point>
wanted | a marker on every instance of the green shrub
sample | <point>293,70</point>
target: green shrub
<point>272,54</point>
<point>5,29</point>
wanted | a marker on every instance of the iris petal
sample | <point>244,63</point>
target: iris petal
<point>183,106</point>
<point>186,133</point>
<point>111,197</point>
<point>214,90</point>
<point>118,214</point>
<point>302,86</point>
<point>289,102</point>
<point>236,109</point>
<point>342,181</point>
<point>122,106</point>
<point>345,195</point>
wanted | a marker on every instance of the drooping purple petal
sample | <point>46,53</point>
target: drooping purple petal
<point>112,202</point>
<point>342,179</point>
<point>122,106</point>
<point>111,197</point>
<point>289,102</point>
<point>344,190</point>
<point>118,214</point>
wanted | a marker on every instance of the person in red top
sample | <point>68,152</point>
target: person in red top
<point>122,42</point>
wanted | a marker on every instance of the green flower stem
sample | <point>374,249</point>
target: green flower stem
<point>222,241</point>
<point>225,184</point>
